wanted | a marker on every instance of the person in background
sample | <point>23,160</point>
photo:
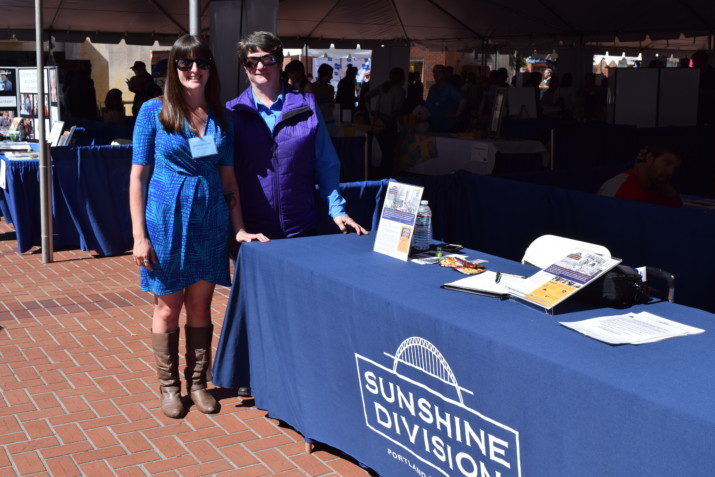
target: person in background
<point>142,85</point>
<point>182,192</point>
<point>415,92</point>
<point>345,96</point>
<point>294,73</point>
<point>545,83</point>
<point>590,100</point>
<point>649,179</point>
<point>5,83</point>
<point>80,95</point>
<point>390,96</point>
<point>5,120</point>
<point>324,92</point>
<point>443,101</point>
<point>113,111</point>
<point>388,107</point>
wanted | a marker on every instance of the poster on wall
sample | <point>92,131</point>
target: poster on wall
<point>54,96</point>
<point>8,102</point>
<point>6,118</point>
<point>27,80</point>
<point>28,104</point>
<point>54,114</point>
<point>7,82</point>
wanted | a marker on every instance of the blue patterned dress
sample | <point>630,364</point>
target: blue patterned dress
<point>186,214</point>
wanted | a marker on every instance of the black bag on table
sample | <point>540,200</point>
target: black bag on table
<point>623,287</point>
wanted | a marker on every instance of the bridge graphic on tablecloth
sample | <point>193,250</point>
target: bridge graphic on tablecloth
<point>420,354</point>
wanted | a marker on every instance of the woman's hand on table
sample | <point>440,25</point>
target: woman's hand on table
<point>345,223</point>
<point>243,236</point>
<point>143,253</point>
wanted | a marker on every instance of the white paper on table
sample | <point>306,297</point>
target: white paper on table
<point>55,133</point>
<point>486,282</point>
<point>479,152</point>
<point>631,328</point>
<point>3,171</point>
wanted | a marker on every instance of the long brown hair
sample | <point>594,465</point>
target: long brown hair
<point>174,108</point>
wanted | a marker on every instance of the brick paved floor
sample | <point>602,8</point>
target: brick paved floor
<point>78,393</point>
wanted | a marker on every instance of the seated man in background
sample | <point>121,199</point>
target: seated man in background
<point>649,179</point>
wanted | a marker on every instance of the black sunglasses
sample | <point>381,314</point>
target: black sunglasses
<point>185,64</point>
<point>267,60</point>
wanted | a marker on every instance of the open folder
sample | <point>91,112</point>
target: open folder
<point>488,284</point>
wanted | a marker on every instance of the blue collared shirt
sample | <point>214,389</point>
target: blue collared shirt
<point>327,164</point>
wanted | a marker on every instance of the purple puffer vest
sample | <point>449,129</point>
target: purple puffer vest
<point>276,172</point>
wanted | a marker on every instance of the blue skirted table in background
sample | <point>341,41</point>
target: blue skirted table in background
<point>367,354</point>
<point>90,199</point>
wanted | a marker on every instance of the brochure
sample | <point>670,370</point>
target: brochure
<point>549,287</point>
<point>397,221</point>
<point>631,328</point>
<point>430,257</point>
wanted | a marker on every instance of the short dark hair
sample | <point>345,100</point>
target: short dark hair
<point>260,40</point>
<point>666,145</point>
<point>325,70</point>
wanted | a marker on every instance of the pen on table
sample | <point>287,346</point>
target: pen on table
<point>498,278</point>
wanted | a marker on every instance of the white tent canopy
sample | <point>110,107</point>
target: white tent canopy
<point>471,21</point>
<point>103,21</point>
<point>451,23</point>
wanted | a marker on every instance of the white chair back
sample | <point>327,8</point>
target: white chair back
<point>548,249</point>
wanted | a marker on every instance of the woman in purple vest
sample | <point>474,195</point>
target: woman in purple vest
<point>282,149</point>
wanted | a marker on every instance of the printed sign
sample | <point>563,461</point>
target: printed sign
<point>421,411</point>
<point>397,222</point>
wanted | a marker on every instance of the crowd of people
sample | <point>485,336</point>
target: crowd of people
<point>80,96</point>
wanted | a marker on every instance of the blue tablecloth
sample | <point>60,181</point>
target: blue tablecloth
<point>348,346</point>
<point>90,190</point>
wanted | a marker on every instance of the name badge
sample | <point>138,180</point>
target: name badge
<point>202,146</point>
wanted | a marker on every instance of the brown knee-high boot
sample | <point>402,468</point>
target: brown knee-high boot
<point>166,352</point>
<point>198,362</point>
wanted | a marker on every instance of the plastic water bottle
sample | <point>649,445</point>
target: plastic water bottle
<point>423,228</point>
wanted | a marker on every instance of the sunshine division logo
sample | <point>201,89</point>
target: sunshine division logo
<point>417,404</point>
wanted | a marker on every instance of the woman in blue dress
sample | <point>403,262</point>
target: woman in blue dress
<point>181,182</point>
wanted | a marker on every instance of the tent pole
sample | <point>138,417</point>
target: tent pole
<point>45,192</point>
<point>194,17</point>
<point>484,57</point>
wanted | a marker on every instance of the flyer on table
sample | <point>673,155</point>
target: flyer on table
<point>551,286</point>
<point>397,221</point>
